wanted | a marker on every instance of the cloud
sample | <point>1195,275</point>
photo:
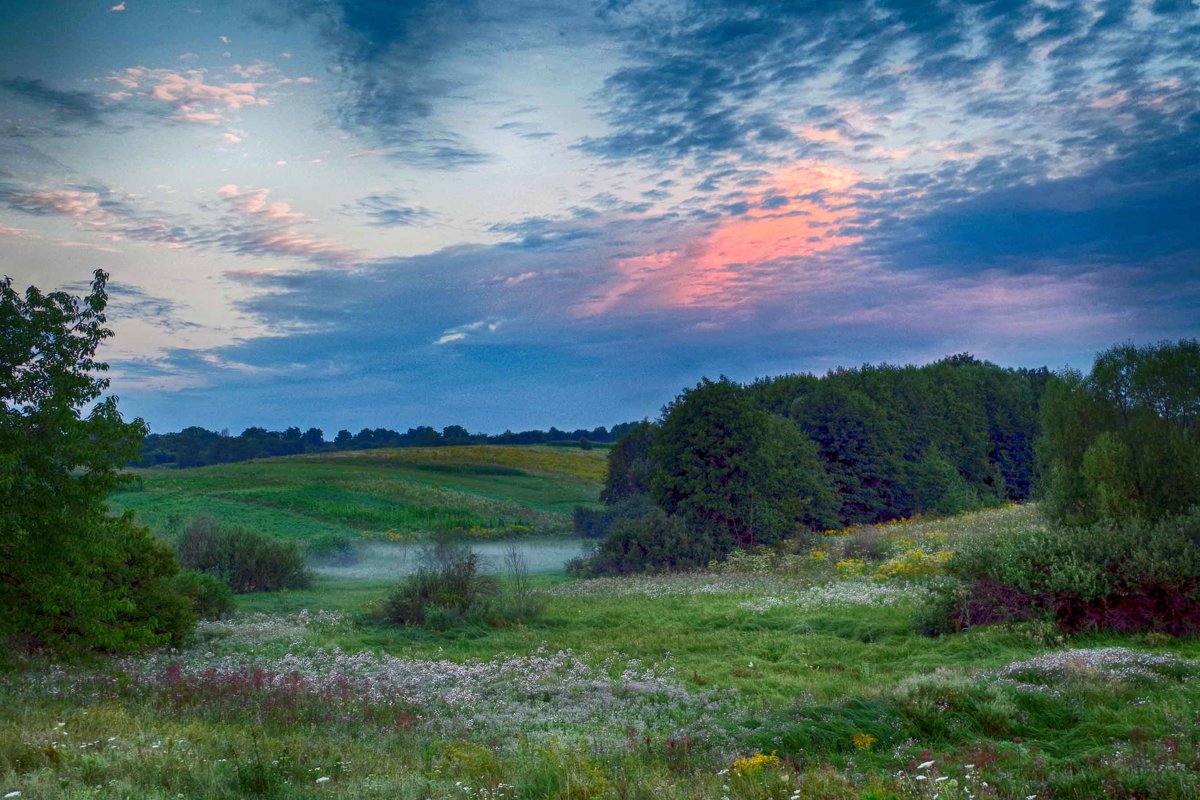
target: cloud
<point>256,203</point>
<point>705,83</point>
<point>190,95</point>
<point>82,205</point>
<point>387,211</point>
<point>249,223</point>
<point>72,106</point>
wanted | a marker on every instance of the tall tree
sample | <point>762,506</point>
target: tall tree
<point>70,575</point>
<point>1124,441</point>
<point>733,471</point>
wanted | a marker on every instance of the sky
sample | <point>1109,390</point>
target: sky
<point>524,213</point>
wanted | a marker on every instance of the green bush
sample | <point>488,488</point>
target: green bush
<point>598,522</point>
<point>248,561</point>
<point>447,590</point>
<point>211,597</point>
<point>1130,577</point>
<point>141,568</point>
<point>450,589</point>
<point>653,542</point>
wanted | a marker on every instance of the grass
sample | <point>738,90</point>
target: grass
<point>474,490</point>
<point>627,688</point>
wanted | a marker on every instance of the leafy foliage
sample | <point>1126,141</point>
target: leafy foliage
<point>71,577</point>
<point>1127,577</point>
<point>246,560</point>
<point>655,541</point>
<point>732,471</point>
<point>211,597</point>
<point>629,466</point>
<point>1123,442</point>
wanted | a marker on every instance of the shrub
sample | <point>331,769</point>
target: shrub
<point>655,541</point>
<point>211,597</point>
<point>518,603</point>
<point>448,589</point>
<point>248,561</point>
<point>1131,577</point>
<point>332,549</point>
<point>142,568</point>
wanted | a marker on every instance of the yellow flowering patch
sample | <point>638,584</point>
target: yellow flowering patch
<point>913,563</point>
<point>851,568</point>
<point>863,741</point>
<point>750,765</point>
<point>818,555</point>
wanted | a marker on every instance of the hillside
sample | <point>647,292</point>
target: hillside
<point>478,490</point>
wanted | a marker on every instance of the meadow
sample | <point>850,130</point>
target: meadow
<point>793,673</point>
<point>478,491</point>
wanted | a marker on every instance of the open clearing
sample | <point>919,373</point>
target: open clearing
<point>476,490</point>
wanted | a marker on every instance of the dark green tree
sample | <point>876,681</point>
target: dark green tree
<point>71,576</point>
<point>732,471</point>
<point>629,466</point>
<point>1123,442</point>
<point>859,444</point>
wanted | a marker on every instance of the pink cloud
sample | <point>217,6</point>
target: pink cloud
<point>196,98</point>
<point>77,204</point>
<point>739,260</point>
<point>256,202</point>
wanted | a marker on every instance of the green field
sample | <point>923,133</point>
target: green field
<point>476,490</point>
<point>781,677</point>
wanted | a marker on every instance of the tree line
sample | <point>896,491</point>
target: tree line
<point>730,465</point>
<point>197,447</point>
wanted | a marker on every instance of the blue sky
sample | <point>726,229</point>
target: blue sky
<point>351,213</point>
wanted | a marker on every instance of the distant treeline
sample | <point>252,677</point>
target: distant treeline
<point>729,464</point>
<point>197,447</point>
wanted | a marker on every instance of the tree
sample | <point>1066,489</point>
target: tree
<point>70,575</point>
<point>629,466</point>
<point>733,472</point>
<point>857,442</point>
<point>1123,442</point>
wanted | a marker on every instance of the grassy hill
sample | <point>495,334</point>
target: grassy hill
<point>478,490</point>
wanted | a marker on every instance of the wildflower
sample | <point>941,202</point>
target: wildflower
<point>12,794</point>
<point>863,741</point>
<point>323,779</point>
<point>748,765</point>
<point>925,765</point>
